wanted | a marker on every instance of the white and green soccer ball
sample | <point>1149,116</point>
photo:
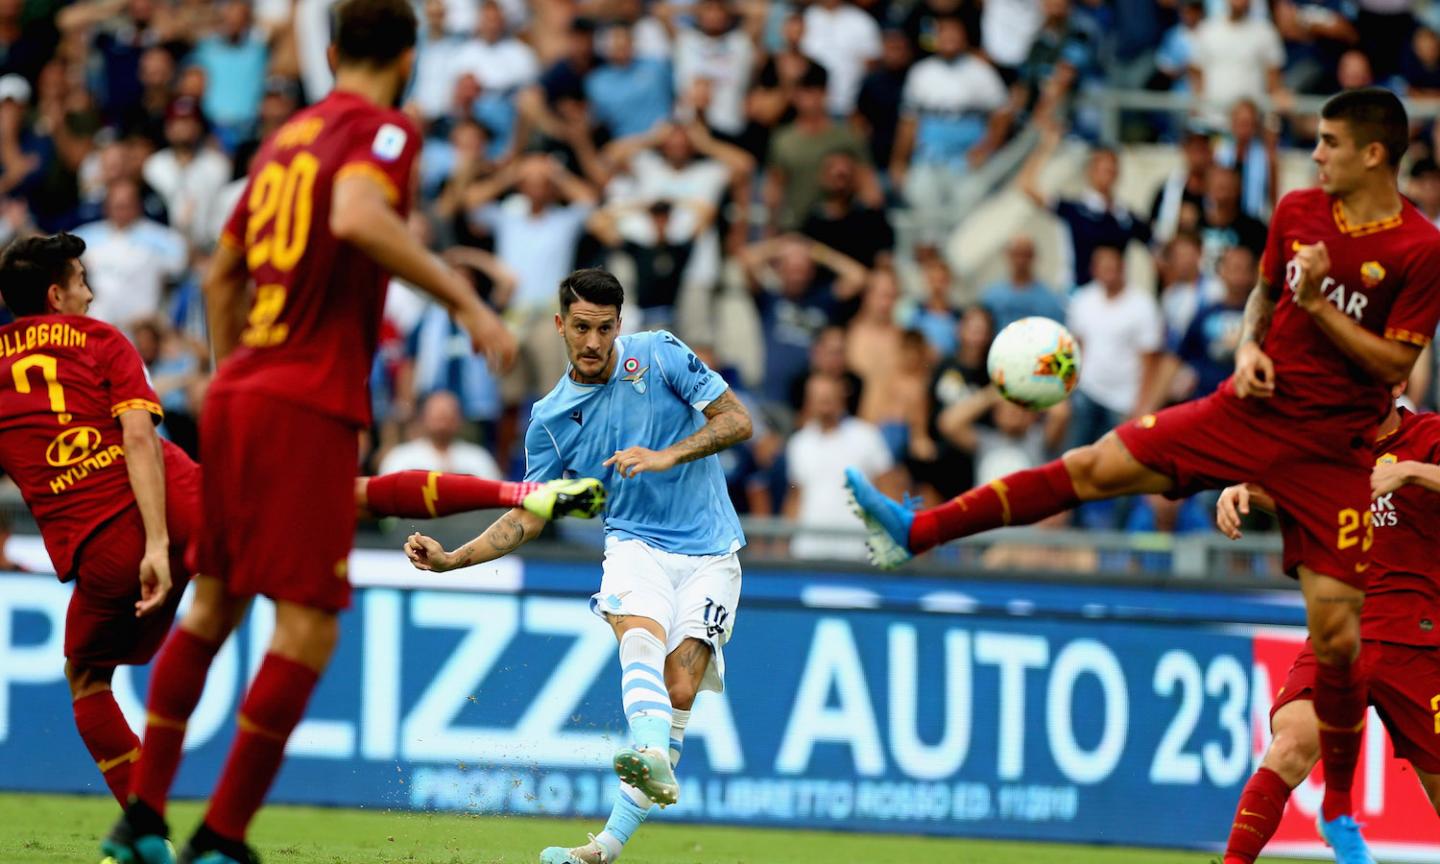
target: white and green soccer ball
<point>1034,362</point>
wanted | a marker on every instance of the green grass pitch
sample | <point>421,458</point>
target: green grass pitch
<point>55,829</point>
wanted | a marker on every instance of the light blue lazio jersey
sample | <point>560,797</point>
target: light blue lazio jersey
<point>653,399</point>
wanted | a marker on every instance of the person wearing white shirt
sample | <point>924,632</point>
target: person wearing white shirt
<point>129,259</point>
<point>500,62</point>
<point>1121,331</point>
<point>846,41</point>
<point>435,63</point>
<point>1007,30</point>
<point>1236,56</point>
<point>439,447</point>
<point>188,175</point>
<point>719,52</point>
<point>952,117</point>
<point>815,458</point>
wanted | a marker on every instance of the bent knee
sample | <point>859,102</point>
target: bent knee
<point>682,694</point>
<point>86,680</point>
<point>1292,756</point>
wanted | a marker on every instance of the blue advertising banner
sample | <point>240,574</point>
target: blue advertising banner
<point>847,706</point>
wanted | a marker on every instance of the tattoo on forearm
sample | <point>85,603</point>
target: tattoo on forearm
<point>1259,309</point>
<point>727,423</point>
<point>504,537</point>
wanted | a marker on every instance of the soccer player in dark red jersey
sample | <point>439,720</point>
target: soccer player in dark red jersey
<point>1398,628</point>
<point>1349,294</point>
<point>115,504</point>
<point>318,231</point>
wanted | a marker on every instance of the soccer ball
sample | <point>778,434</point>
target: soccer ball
<point>1034,362</point>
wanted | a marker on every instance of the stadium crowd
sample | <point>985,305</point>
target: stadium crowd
<point>777,183</point>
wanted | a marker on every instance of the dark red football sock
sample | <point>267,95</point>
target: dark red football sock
<point>272,709</point>
<point>1258,816</point>
<point>108,738</point>
<point>427,494</point>
<point>1016,499</point>
<point>1340,707</point>
<point>176,683</point>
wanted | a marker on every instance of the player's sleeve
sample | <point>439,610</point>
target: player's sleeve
<point>126,381</point>
<point>1416,312</point>
<point>1272,259</point>
<point>385,151</point>
<point>684,373</point>
<point>542,453</point>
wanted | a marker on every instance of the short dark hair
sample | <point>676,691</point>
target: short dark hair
<point>814,77</point>
<point>373,32</point>
<point>592,285</point>
<point>30,266</point>
<point>1373,115</point>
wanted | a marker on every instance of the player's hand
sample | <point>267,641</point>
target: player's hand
<point>426,553</point>
<point>489,336</point>
<point>1234,502</point>
<point>1314,264</point>
<point>1254,373</point>
<point>154,581</point>
<point>1388,477</point>
<point>636,460</point>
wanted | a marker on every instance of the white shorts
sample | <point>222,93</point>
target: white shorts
<point>691,596</point>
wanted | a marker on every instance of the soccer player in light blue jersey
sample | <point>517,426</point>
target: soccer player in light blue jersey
<point>645,415</point>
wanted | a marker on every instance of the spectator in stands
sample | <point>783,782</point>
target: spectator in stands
<point>846,41</point>
<point>157,90</point>
<point>792,176</point>
<point>502,63</point>
<point>177,371</point>
<point>1185,287</point>
<point>957,376</point>
<point>1177,47</point>
<point>953,118</point>
<point>438,356</point>
<point>658,247</point>
<point>556,106</point>
<point>877,108</point>
<point>129,259</point>
<point>1316,33</point>
<point>1237,56</point>
<point>652,34</point>
<point>628,95</point>
<point>1354,71</point>
<point>796,301</point>
<point>188,174</point>
<point>436,66</point>
<point>1223,223</point>
<point>1007,31</point>
<point>1021,294</point>
<point>537,231</point>
<point>234,58</point>
<point>1424,188</point>
<point>771,102</point>
<point>1207,346</point>
<point>1121,331</point>
<point>1252,151</point>
<point>719,52</point>
<point>439,446</point>
<point>118,41</point>
<point>685,162</point>
<point>1179,199</point>
<point>1385,26</point>
<point>827,357</point>
<point>918,21</point>
<point>1065,43</point>
<point>19,158</point>
<point>1420,67</point>
<point>935,316</point>
<point>815,458</point>
<point>839,220</point>
<point>872,344</point>
<point>1095,218</point>
<point>1000,436</point>
<point>27,42</point>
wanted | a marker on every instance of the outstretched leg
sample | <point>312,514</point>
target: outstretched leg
<point>431,494</point>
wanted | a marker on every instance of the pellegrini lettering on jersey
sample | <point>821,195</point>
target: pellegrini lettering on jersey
<point>19,341</point>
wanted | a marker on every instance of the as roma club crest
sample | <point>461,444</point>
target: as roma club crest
<point>635,374</point>
<point>1371,273</point>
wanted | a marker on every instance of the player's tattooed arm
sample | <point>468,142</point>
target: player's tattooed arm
<point>506,534</point>
<point>727,423</point>
<point>1259,310</point>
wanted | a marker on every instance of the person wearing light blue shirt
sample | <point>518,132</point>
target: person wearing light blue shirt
<point>646,415</point>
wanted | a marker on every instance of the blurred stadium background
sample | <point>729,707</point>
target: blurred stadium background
<point>837,204</point>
